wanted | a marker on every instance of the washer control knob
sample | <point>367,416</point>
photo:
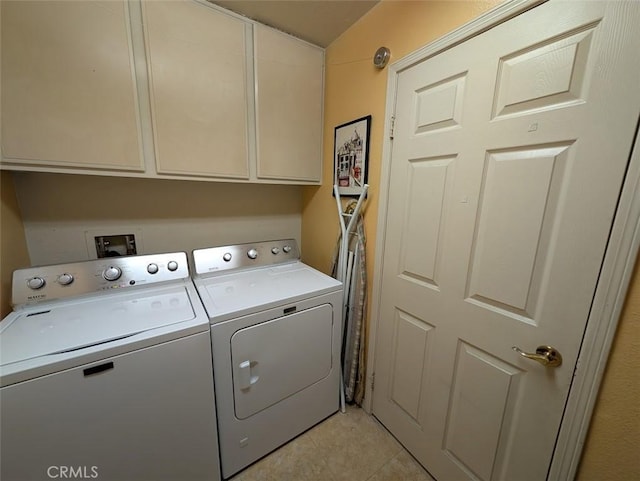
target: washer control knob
<point>36,283</point>
<point>275,251</point>
<point>252,254</point>
<point>65,279</point>
<point>172,266</point>
<point>152,268</point>
<point>227,256</point>
<point>112,273</point>
<point>286,249</point>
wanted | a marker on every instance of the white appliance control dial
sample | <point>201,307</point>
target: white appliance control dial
<point>112,273</point>
<point>36,283</point>
<point>286,249</point>
<point>275,251</point>
<point>65,279</point>
<point>252,254</point>
<point>227,256</point>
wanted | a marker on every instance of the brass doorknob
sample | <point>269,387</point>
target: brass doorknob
<point>545,355</point>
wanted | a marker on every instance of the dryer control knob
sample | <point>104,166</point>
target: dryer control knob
<point>36,283</point>
<point>172,266</point>
<point>252,254</point>
<point>152,268</point>
<point>227,256</point>
<point>112,273</point>
<point>65,279</point>
<point>275,250</point>
<point>286,249</point>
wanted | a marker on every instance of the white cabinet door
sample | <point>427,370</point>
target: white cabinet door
<point>222,107</point>
<point>69,95</point>
<point>289,105</point>
<point>197,66</point>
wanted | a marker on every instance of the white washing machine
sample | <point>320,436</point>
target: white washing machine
<point>105,372</point>
<point>276,337</point>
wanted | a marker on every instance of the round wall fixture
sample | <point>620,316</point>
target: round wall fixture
<point>381,57</point>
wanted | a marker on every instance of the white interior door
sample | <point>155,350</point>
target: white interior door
<point>508,157</point>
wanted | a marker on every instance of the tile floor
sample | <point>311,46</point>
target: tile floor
<point>351,447</point>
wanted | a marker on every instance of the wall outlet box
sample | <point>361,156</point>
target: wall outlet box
<point>113,242</point>
<point>115,245</point>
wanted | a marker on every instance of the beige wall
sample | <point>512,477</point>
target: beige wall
<point>60,212</point>
<point>355,88</point>
<point>13,245</point>
<point>611,450</point>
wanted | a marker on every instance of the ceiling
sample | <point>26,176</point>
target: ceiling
<point>317,21</point>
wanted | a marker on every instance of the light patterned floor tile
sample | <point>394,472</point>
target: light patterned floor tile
<point>401,468</point>
<point>296,461</point>
<point>345,447</point>
<point>354,445</point>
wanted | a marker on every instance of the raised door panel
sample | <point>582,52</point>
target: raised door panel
<point>520,193</point>
<point>412,340</point>
<point>428,185</point>
<point>69,96</point>
<point>483,399</point>
<point>289,76</point>
<point>199,95</point>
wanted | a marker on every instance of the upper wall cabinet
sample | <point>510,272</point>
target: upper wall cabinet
<point>289,104</point>
<point>199,89</point>
<point>69,96</point>
<point>160,89</point>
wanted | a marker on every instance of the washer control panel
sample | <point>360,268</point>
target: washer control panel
<point>38,284</point>
<point>240,256</point>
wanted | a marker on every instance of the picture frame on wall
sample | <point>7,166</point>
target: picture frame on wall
<point>351,156</point>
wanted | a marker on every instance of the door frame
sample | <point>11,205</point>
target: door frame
<point>615,276</point>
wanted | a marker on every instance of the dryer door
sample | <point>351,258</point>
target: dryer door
<point>276,359</point>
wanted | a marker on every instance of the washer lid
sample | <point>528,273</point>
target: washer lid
<point>71,326</point>
<point>244,292</point>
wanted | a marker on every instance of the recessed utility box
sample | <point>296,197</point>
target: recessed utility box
<point>115,245</point>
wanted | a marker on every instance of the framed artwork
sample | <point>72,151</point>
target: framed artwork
<point>351,155</point>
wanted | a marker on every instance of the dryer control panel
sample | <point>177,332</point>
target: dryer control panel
<point>240,256</point>
<point>46,283</point>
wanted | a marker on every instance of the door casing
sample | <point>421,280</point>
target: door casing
<point>613,284</point>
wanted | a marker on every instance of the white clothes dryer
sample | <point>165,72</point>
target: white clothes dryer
<point>276,339</point>
<point>105,372</point>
